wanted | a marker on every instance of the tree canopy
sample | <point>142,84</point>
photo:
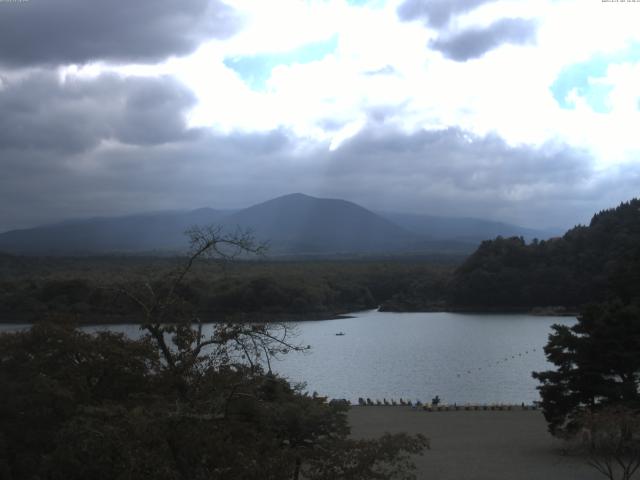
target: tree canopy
<point>597,365</point>
<point>588,264</point>
<point>175,404</point>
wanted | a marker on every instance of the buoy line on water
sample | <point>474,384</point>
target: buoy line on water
<point>495,363</point>
<point>439,407</point>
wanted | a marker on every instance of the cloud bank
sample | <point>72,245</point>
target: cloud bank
<point>121,145</point>
<point>80,31</point>
<point>436,13</point>
<point>475,42</point>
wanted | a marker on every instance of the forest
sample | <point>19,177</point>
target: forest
<point>90,289</point>
<point>587,264</point>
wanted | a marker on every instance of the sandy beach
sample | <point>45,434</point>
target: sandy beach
<point>477,445</point>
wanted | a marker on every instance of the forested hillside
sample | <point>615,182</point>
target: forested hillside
<point>587,264</point>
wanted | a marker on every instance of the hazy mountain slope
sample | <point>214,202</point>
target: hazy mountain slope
<point>293,224</point>
<point>299,223</point>
<point>471,230</point>
<point>132,233</point>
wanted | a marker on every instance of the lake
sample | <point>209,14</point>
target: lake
<point>462,358</point>
<point>459,357</point>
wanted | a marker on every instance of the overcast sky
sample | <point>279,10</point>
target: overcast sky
<point>524,111</point>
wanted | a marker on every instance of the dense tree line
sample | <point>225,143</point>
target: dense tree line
<point>588,264</point>
<point>89,288</point>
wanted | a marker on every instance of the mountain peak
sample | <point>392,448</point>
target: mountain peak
<point>302,223</point>
<point>297,197</point>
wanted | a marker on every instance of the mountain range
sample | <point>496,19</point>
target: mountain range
<point>294,224</point>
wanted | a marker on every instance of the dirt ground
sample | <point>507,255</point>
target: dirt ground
<point>477,445</point>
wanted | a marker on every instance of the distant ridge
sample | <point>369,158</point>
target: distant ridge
<point>465,229</point>
<point>127,234</point>
<point>294,224</point>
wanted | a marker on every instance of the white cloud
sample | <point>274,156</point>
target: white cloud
<point>506,91</point>
<point>383,71</point>
<point>284,25</point>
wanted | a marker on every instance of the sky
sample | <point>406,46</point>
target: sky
<point>524,111</point>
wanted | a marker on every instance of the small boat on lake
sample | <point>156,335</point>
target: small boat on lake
<point>339,334</point>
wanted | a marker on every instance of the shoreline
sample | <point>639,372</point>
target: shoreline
<point>97,319</point>
<point>549,311</point>
<point>477,445</point>
<point>442,408</point>
<point>241,317</point>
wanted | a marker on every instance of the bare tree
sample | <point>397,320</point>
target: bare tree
<point>611,440</point>
<point>175,326</point>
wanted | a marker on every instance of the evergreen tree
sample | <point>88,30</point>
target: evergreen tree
<point>598,364</point>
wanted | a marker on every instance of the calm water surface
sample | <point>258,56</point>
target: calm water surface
<point>481,358</point>
<point>460,357</point>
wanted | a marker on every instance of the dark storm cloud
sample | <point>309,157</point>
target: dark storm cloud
<point>451,172</point>
<point>460,159</point>
<point>41,113</point>
<point>44,32</point>
<point>436,13</point>
<point>447,172</point>
<point>216,170</point>
<point>475,42</point>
